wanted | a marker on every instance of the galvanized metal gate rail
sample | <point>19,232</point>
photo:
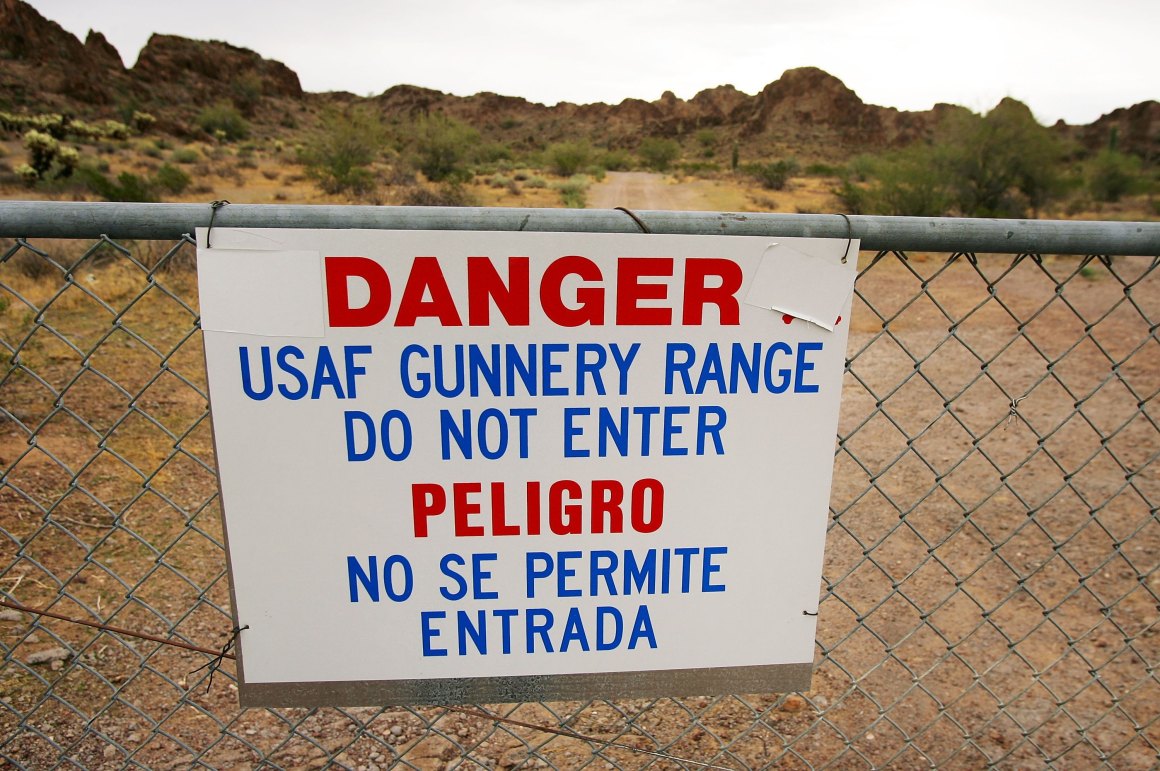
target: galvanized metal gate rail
<point>41,219</point>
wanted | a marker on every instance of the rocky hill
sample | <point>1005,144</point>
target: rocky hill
<point>806,111</point>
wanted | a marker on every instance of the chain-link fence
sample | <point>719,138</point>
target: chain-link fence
<point>990,592</point>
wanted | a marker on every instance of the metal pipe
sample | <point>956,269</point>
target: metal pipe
<point>54,219</point>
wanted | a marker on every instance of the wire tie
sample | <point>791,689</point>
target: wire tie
<point>214,206</point>
<point>639,222</point>
<point>849,236</point>
<point>1014,412</point>
<point>216,662</point>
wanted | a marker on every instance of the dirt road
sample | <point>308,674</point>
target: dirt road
<point>647,190</point>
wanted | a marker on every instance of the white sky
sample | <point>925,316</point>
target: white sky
<point>1070,59</point>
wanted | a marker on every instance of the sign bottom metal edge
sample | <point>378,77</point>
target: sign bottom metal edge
<point>777,678</point>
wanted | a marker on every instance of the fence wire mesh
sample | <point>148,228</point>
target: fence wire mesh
<point>989,597</point>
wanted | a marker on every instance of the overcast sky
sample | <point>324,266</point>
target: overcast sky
<point>1070,59</point>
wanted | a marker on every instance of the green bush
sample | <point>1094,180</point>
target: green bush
<point>127,187</point>
<point>223,121</point>
<point>185,155</point>
<point>997,165</point>
<point>492,152</point>
<point>1111,175</point>
<point>247,91</point>
<point>616,160</point>
<point>1000,164</point>
<point>340,154</point>
<point>822,170</point>
<point>699,168</point>
<point>449,194</point>
<point>908,182</point>
<point>658,154</point>
<point>574,192</point>
<point>442,147</point>
<point>707,139</point>
<point>773,176</point>
<point>566,159</point>
<point>171,179</point>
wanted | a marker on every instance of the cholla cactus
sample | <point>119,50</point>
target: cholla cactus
<point>42,151</point>
<point>67,159</point>
<point>27,173</point>
<point>116,130</point>
<point>142,121</point>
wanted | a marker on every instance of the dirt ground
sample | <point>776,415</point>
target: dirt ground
<point>990,591</point>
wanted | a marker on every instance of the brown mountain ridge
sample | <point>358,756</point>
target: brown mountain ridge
<point>44,68</point>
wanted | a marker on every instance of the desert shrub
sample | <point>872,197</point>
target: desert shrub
<point>699,168</point>
<point>246,92</point>
<point>441,148</point>
<point>707,139</point>
<point>574,192</point>
<point>449,194</point>
<point>536,182</point>
<point>127,187</point>
<point>1111,175</point>
<point>999,164</point>
<point>658,154</point>
<point>500,180</point>
<point>616,160</point>
<point>822,170</point>
<point>223,122</point>
<point>339,156</point>
<point>773,176</point>
<point>185,155</point>
<point>492,152</point>
<point>566,159</point>
<point>171,179</point>
<point>907,182</point>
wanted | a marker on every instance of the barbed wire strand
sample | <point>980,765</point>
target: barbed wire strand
<point>116,629</point>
